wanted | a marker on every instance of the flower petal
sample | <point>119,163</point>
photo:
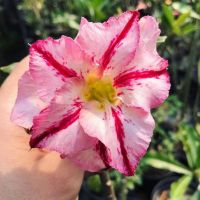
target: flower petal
<point>145,82</point>
<point>146,56</point>
<point>125,132</point>
<point>57,126</point>
<point>145,92</point>
<point>70,54</point>
<point>99,129</point>
<point>127,78</point>
<point>27,104</point>
<point>52,61</point>
<point>149,32</point>
<point>134,129</point>
<point>88,160</point>
<point>113,43</point>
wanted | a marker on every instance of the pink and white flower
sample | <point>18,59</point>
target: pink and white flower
<point>90,98</point>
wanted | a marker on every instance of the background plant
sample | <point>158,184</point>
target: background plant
<point>24,21</point>
<point>188,166</point>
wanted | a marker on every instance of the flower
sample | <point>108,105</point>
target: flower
<point>90,98</point>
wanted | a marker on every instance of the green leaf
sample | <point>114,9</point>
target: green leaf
<point>7,69</point>
<point>178,188</point>
<point>66,19</point>
<point>191,142</point>
<point>189,28</point>
<point>73,24</point>
<point>196,195</point>
<point>161,39</point>
<point>197,173</point>
<point>184,8</point>
<point>167,11</point>
<point>198,160</point>
<point>181,7</point>
<point>176,30</point>
<point>94,183</point>
<point>160,161</point>
<point>198,68</point>
<point>181,19</point>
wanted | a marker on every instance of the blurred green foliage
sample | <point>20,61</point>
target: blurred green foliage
<point>186,163</point>
<point>177,120</point>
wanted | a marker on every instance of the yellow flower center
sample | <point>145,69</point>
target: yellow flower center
<point>100,90</point>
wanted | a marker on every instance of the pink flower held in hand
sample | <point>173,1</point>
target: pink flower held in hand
<point>90,98</point>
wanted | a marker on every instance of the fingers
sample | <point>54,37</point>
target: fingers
<point>57,180</point>
<point>8,90</point>
<point>8,93</point>
<point>36,174</point>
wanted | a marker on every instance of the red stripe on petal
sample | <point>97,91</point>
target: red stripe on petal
<point>63,70</point>
<point>63,124</point>
<point>111,48</point>
<point>120,136</point>
<point>102,150</point>
<point>125,78</point>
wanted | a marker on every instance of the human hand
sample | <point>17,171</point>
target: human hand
<point>30,174</point>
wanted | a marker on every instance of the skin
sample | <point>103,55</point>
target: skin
<point>30,174</point>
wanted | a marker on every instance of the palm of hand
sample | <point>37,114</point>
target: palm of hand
<point>31,174</point>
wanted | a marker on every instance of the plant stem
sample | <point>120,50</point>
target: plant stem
<point>124,191</point>
<point>108,189</point>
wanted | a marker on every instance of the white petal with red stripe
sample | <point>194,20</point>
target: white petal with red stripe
<point>146,56</point>
<point>113,43</point>
<point>53,61</point>
<point>125,132</point>
<point>57,127</point>
<point>28,104</point>
<point>88,159</point>
<point>146,89</point>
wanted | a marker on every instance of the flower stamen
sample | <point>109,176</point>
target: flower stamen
<point>100,90</point>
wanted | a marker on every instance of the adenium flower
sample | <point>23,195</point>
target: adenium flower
<point>90,98</point>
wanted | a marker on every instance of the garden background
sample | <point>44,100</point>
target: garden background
<point>171,168</point>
